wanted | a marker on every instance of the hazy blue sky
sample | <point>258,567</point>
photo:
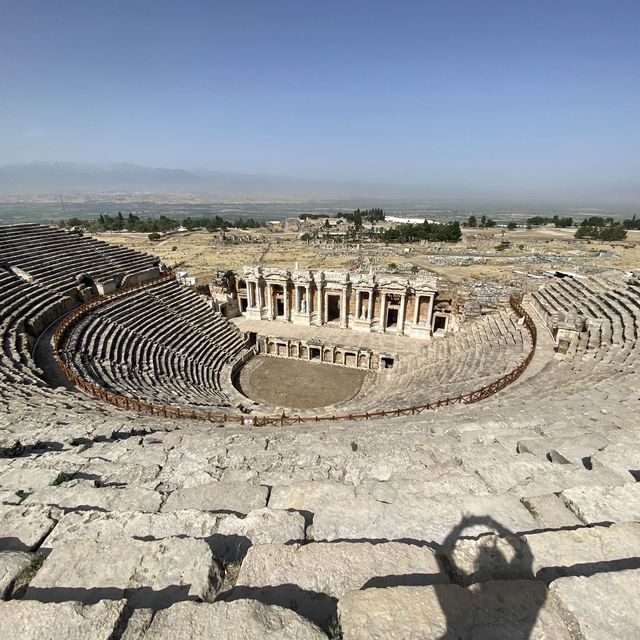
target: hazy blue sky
<point>512,94</point>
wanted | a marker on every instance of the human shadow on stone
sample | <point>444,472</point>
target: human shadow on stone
<point>503,600</point>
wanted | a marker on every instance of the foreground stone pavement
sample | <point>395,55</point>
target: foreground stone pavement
<point>515,517</point>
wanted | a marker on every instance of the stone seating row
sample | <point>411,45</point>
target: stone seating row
<point>480,353</point>
<point>56,258</point>
<point>162,344</point>
<point>305,522</point>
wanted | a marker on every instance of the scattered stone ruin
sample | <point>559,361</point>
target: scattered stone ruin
<point>514,516</point>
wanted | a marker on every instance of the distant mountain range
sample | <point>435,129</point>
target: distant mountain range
<point>70,178</point>
<point>62,177</point>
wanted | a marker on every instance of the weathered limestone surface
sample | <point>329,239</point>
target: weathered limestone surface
<point>309,496</point>
<point>527,475</point>
<point>82,495</point>
<point>22,528</point>
<point>12,564</point>
<point>310,578</point>
<point>604,605</point>
<point>367,519</point>
<point>241,620</point>
<point>227,534</point>
<point>30,620</point>
<point>546,555</point>
<point>621,458</point>
<point>151,574</point>
<point>550,511</point>
<point>237,497</point>
<point>604,504</point>
<point>565,450</point>
<point>261,526</point>
<point>137,624</point>
<point>29,479</point>
<point>8,496</point>
<point>509,610</point>
<point>103,527</point>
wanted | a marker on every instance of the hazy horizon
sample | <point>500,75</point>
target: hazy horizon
<point>515,99</point>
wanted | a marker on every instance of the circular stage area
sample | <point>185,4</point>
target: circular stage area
<point>298,384</point>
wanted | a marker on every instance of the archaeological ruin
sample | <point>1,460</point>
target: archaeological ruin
<point>313,453</point>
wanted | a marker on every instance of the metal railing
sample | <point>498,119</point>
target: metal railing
<point>167,411</point>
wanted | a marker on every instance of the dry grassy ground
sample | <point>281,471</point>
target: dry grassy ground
<point>201,253</point>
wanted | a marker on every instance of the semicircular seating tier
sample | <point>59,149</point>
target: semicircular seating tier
<point>482,351</point>
<point>162,344</point>
<point>44,273</point>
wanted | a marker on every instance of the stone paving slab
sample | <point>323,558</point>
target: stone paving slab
<point>228,535</point>
<point>309,496</point>
<point>311,578</point>
<point>23,527</point>
<point>548,554</point>
<point>27,479</point>
<point>510,610</point>
<point>12,564</point>
<point>30,620</point>
<point>81,495</point>
<point>241,620</point>
<point>604,605</point>
<point>604,504</point>
<point>550,511</point>
<point>236,497</point>
<point>431,521</point>
<point>153,574</point>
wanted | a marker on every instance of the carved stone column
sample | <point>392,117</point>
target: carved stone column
<point>320,297</point>
<point>249,294</point>
<point>383,312</point>
<point>285,289</point>
<point>403,299</point>
<point>344,312</point>
<point>430,312</point>
<point>416,311</point>
<point>270,300</point>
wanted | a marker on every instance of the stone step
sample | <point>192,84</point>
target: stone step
<point>573,450</point>
<point>546,555</point>
<point>310,579</point>
<point>235,497</point>
<point>602,605</point>
<point>12,564</point>
<point>83,495</point>
<point>501,610</point>
<point>429,521</point>
<point>31,620</point>
<point>22,528</point>
<point>229,536</point>
<point>243,619</point>
<point>149,574</point>
<point>592,505</point>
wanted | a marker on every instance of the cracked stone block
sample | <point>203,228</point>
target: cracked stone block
<point>240,620</point>
<point>31,620</point>
<point>150,574</point>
